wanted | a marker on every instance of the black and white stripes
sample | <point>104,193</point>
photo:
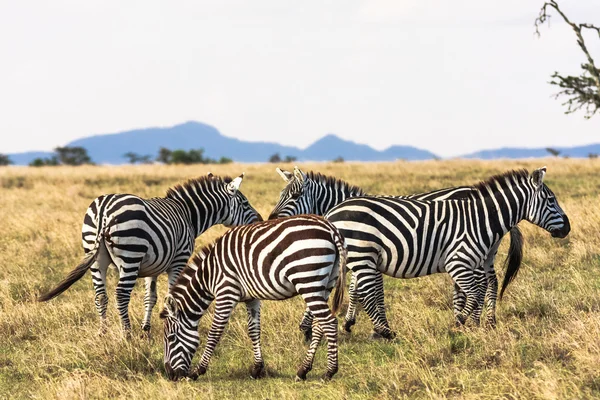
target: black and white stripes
<point>146,237</point>
<point>407,238</point>
<point>272,260</point>
<point>316,193</point>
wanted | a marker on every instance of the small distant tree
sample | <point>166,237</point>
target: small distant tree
<point>41,162</point>
<point>164,155</point>
<point>225,160</point>
<point>592,155</point>
<point>552,151</point>
<point>583,91</point>
<point>194,156</point>
<point>275,158</point>
<point>4,160</point>
<point>72,155</point>
<point>339,159</point>
<point>135,158</point>
<point>289,159</point>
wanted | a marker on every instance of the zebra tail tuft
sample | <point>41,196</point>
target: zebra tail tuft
<point>515,256</point>
<point>75,274</point>
<point>338,297</point>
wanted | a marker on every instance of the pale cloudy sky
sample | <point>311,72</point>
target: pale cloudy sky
<point>448,76</point>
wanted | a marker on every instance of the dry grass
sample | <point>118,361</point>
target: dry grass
<point>547,344</point>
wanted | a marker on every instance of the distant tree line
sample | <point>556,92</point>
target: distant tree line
<point>193,156</point>
<point>79,156</point>
<point>64,156</point>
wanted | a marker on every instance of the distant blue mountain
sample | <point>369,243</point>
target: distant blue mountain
<point>110,148</point>
<point>508,152</point>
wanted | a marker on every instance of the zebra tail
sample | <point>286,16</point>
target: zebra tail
<point>75,274</point>
<point>515,256</point>
<point>338,297</point>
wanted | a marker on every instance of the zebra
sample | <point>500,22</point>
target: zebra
<point>269,260</point>
<point>143,238</point>
<point>314,193</point>
<point>408,238</point>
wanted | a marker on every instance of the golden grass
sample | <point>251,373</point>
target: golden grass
<point>547,344</point>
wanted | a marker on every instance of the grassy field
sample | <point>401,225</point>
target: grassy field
<point>546,345</point>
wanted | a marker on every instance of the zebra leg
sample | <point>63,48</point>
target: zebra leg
<point>223,309</point>
<point>98,271</point>
<point>459,299</point>
<point>307,363</point>
<point>324,323</point>
<point>253,308</point>
<point>490,296</point>
<point>149,301</point>
<point>369,287</point>
<point>350,318</point>
<point>463,276</point>
<point>128,274</point>
<point>306,325</point>
<point>480,288</point>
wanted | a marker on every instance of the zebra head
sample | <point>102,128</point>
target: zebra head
<point>296,197</point>
<point>543,209</point>
<point>181,340</point>
<point>239,212</point>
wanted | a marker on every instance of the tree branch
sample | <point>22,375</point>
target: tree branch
<point>585,89</point>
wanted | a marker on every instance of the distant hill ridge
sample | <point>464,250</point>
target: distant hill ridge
<point>110,148</point>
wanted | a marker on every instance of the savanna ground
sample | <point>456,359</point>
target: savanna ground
<point>546,345</point>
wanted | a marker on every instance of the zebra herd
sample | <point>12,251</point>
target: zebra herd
<point>320,228</point>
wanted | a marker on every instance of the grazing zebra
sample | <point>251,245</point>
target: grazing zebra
<point>146,237</point>
<point>408,238</point>
<point>314,193</point>
<point>270,260</point>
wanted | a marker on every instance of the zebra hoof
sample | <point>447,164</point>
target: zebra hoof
<point>348,325</point>
<point>257,371</point>
<point>193,376</point>
<point>301,374</point>
<point>492,323</point>
<point>145,332</point>
<point>328,375</point>
<point>382,335</point>
<point>460,320</point>
<point>200,371</point>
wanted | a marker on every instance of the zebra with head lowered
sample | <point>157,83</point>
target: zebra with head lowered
<point>270,260</point>
<point>314,193</point>
<point>143,238</point>
<point>408,238</point>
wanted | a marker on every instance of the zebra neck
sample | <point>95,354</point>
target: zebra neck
<point>329,196</point>
<point>505,211</point>
<point>203,209</point>
<point>194,306</point>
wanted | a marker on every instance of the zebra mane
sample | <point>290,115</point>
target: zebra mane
<point>494,183</point>
<point>202,253</point>
<point>192,267</point>
<point>332,182</point>
<point>197,184</point>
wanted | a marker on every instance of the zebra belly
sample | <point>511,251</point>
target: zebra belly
<point>402,255</point>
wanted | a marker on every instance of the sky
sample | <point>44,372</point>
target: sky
<point>451,77</point>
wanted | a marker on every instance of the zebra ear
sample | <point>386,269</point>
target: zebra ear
<point>170,309</point>
<point>298,174</point>
<point>234,185</point>
<point>210,175</point>
<point>285,175</point>
<point>538,176</point>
